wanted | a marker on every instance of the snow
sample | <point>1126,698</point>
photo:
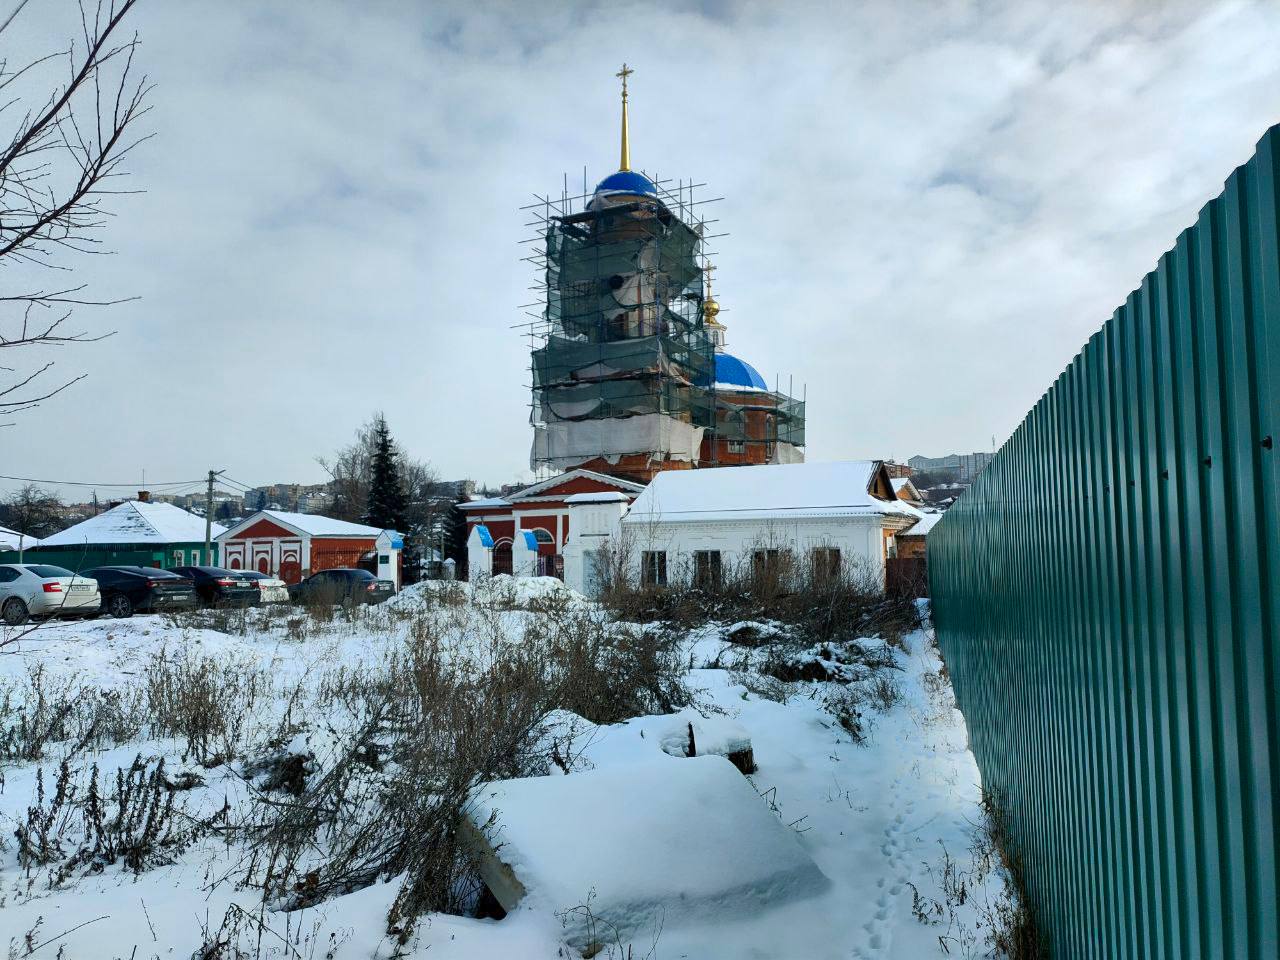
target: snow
<point>135,521</point>
<point>697,842</point>
<point>483,502</point>
<point>602,497</point>
<point>759,492</point>
<point>922,526</point>
<point>503,590</point>
<point>675,848</point>
<point>312,524</point>
<point>11,539</point>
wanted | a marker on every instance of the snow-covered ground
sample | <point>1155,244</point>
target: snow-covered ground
<point>879,818</point>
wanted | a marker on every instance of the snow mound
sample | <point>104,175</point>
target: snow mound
<point>643,846</point>
<point>716,734</point>
<point>521,591</point>
<point>427,592</point>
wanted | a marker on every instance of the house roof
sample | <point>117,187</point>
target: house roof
<point>540,489</point>
<point>771,491</point>
<point>922,526</point>
<point>135,521</point>
<point>9,539</point>
<point>481,502</point>
<point>901,484</point>
<point>311,524</point>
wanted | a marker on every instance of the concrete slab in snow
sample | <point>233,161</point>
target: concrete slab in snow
<point>664,841</point>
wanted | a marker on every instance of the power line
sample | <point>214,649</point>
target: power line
<point>82,483</point>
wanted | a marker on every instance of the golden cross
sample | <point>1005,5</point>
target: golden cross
<point>624,73</point>
<point>708,270</point>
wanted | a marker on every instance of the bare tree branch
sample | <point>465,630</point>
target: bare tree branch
<point>58,164</point>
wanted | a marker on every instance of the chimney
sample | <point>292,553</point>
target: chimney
<point>144,496</point>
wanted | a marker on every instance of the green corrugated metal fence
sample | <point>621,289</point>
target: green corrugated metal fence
<point>1106,599</point>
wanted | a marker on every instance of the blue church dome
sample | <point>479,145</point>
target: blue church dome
<point>730,370</point>
<point>627,181</point>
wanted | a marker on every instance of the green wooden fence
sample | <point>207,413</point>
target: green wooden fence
<point>1106,598</point>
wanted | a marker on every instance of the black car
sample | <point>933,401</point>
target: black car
<point>217,587</point>
<point>339,585</point>
<point>129,590</point>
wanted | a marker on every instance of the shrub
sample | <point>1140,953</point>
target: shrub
<point>42,709</point>
<point>206,702</point>
<point>135,823</point>
<point>460,702</point>
<point>822,598</point>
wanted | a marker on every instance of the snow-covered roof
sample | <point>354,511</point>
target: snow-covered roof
<point>604,496</point>
<point>9,539</point>
<point>135,521</point>
<point>922,526</point>
<point>533,490</point>
<point>771,491</point>
<point>481,503</point>
<point>312,524</point>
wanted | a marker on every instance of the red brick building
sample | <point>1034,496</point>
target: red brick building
<point>539,510</point>
<point>296,545</point>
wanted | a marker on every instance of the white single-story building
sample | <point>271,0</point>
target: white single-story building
<point>706,524</point>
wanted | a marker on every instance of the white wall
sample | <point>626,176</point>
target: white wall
<point>858,538</point>
<point>591,524</point>
<point>479,558</point>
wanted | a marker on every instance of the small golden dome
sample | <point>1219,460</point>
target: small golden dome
<point>709,309</point>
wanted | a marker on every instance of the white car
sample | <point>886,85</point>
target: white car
<point>42,590</point>
<point>271,589</point>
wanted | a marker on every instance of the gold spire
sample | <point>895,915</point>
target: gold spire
<point>710,308</point>
<point>626,153</point>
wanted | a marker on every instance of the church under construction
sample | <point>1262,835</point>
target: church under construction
<point>630,372</point>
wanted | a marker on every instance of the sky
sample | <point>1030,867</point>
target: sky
<point>929,207</point>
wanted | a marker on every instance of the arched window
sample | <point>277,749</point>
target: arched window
<point>542,536</point>
<point>502,557</point>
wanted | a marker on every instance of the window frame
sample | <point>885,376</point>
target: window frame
<point>708,569</point>
<point>653,568</point>
<point>825,563</point>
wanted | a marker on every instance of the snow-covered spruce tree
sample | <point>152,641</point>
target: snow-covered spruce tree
<point>388,503</point>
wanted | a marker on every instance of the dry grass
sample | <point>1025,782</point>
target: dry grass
<point>459,702</point>
<point>43,709</point>
<point>204,701</point>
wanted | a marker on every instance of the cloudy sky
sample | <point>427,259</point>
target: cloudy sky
<point>930,208</point>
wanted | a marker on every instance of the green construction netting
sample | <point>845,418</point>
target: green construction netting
<point>624,333</point>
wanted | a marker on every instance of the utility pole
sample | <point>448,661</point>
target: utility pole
<point>208,516</point>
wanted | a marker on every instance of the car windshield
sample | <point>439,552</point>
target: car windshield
<point>44,570</point>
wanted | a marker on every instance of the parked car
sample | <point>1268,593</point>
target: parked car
<point>342,584</point>
<point>129,590</point>
<point>217,587</point>
<point>272,589</point>
<point>40,590</point>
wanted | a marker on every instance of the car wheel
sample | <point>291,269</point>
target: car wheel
<point>120,606</point>
<point>14,612</point>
